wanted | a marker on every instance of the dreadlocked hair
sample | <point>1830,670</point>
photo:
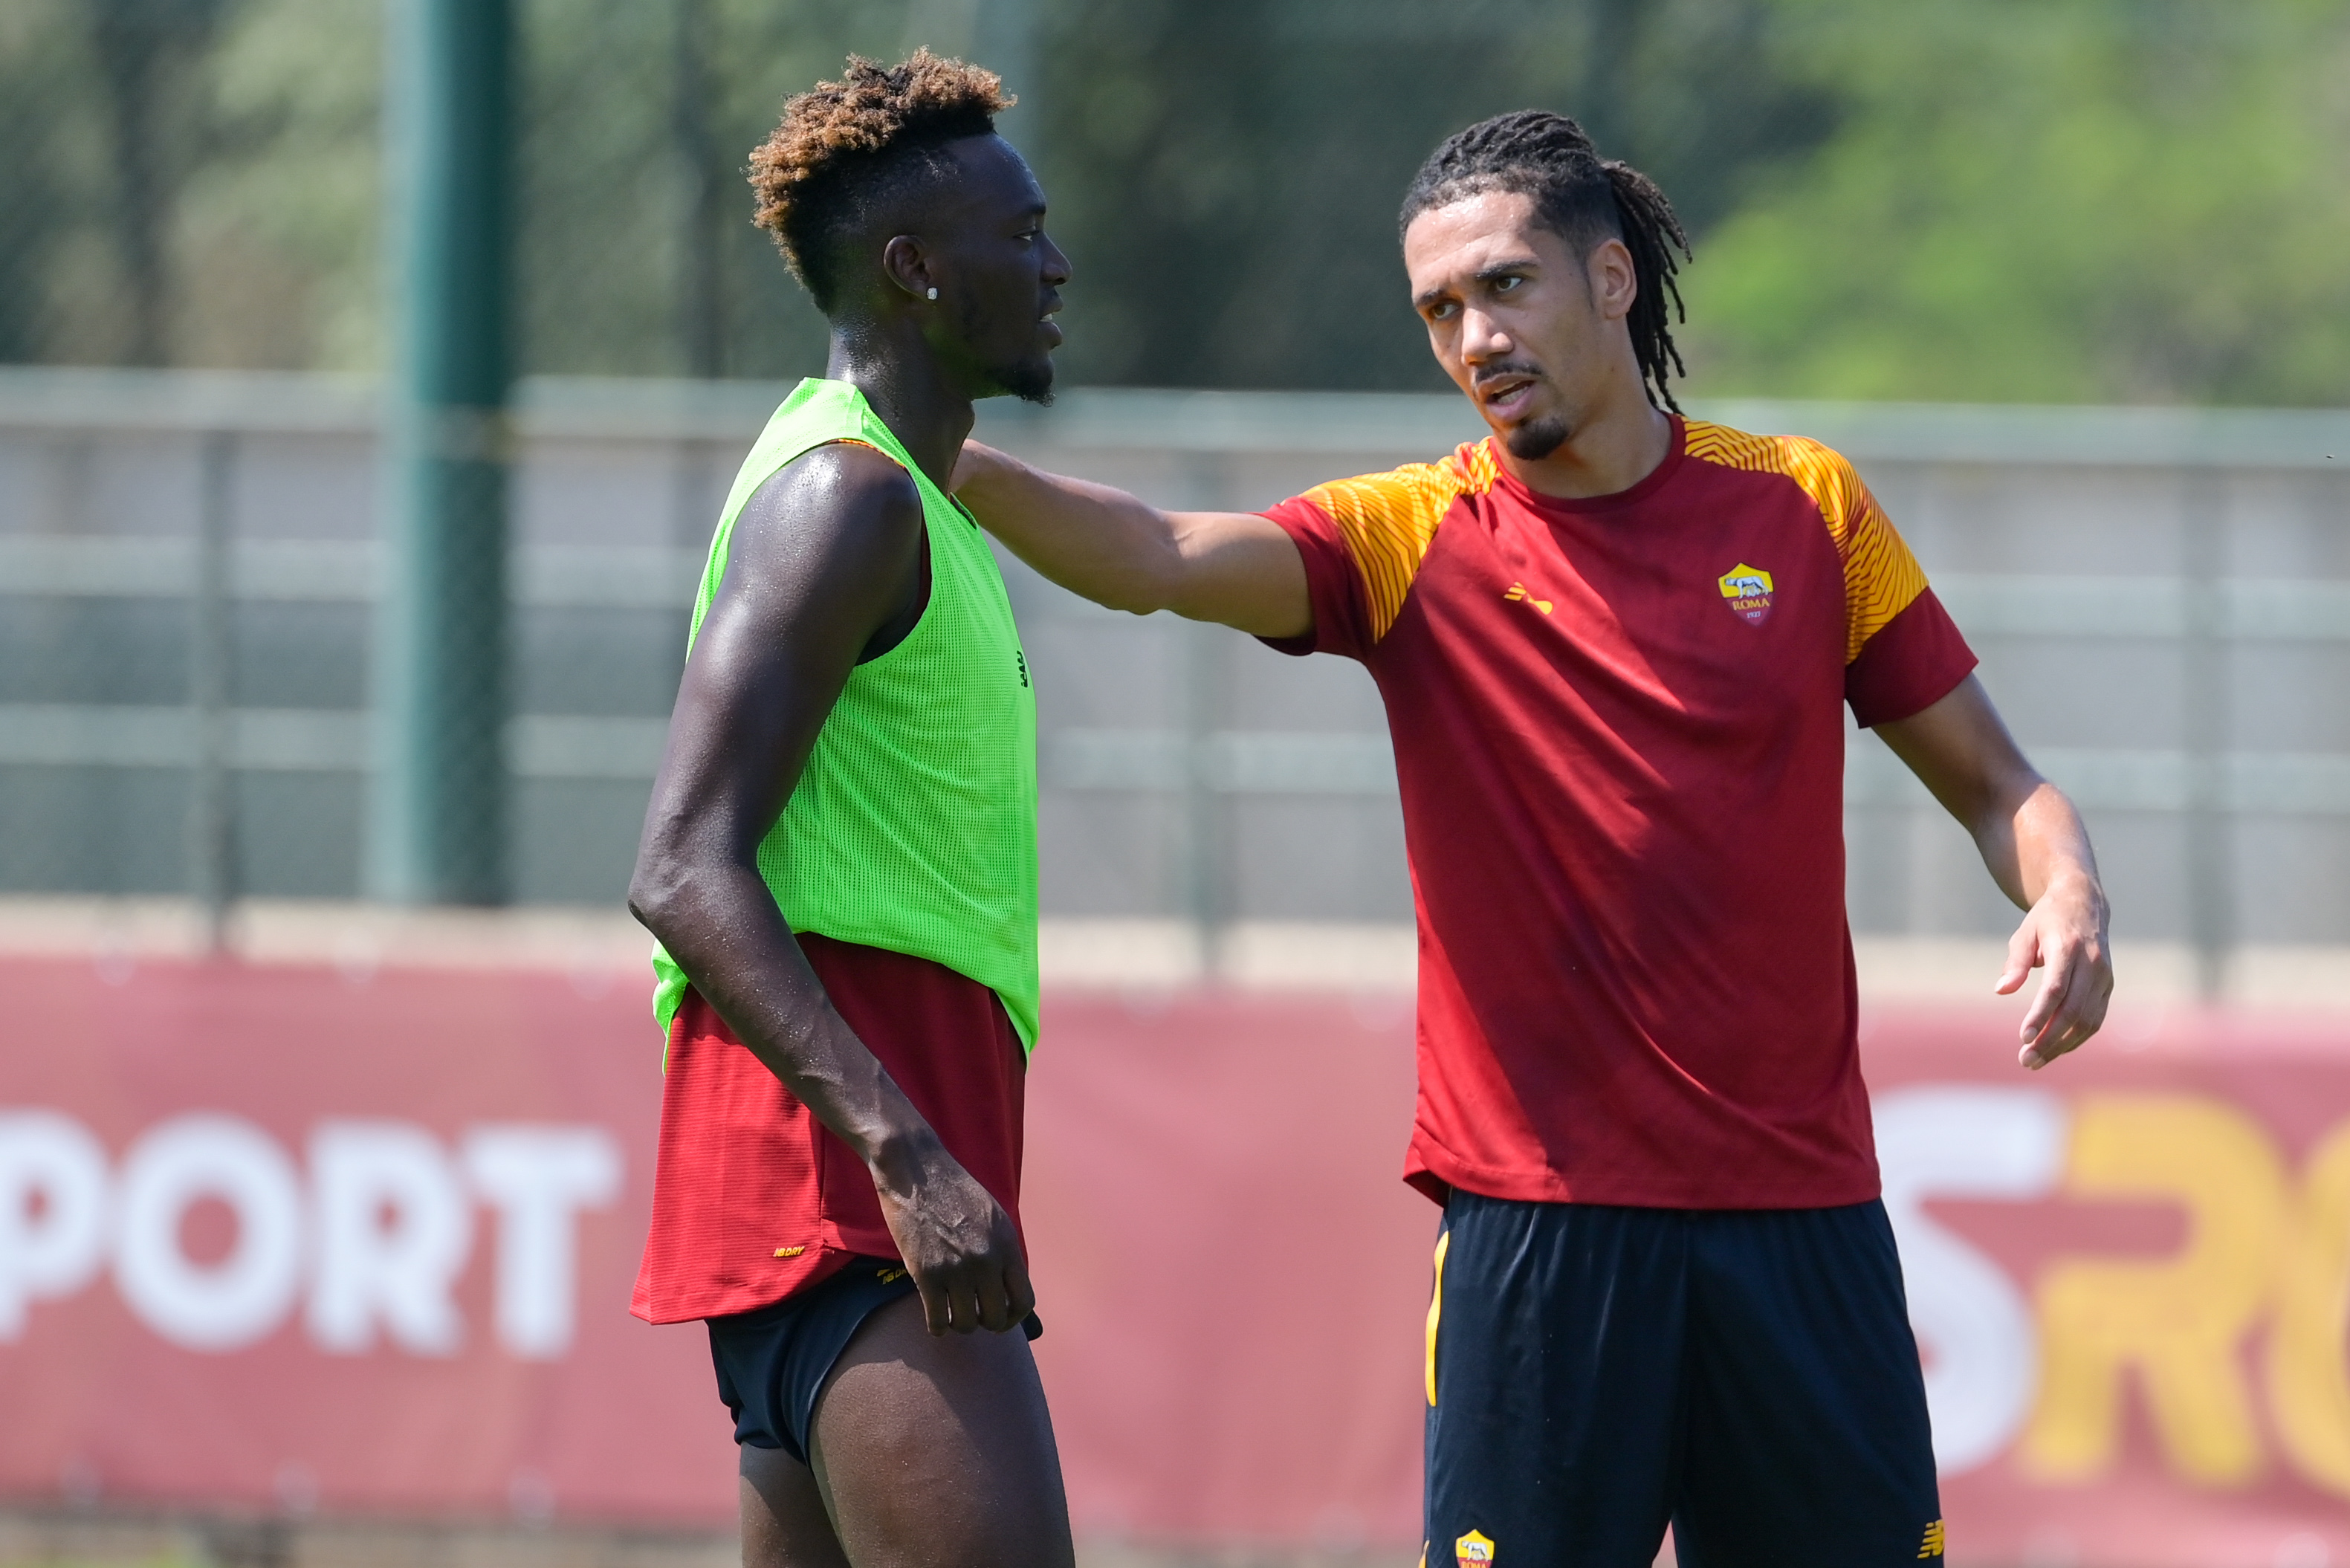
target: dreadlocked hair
<point>1583,200</point>
<point>846,151</point>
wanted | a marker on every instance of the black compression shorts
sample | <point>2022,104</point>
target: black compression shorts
<point>772,1361</point>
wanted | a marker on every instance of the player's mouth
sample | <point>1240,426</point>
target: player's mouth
<point>1507,396</point>
<point>1046,327</point>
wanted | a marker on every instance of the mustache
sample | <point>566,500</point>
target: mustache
<point>1489,373</point>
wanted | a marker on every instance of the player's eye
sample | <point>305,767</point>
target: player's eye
<point>1444,310</point>
<point>1506,282</point>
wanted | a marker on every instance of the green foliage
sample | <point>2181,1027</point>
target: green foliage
<point>36,195</point>
<point>1225,174</point>
<point>2121,200</point>
<point>188,181</point>
<point>2130,201</point>
<point>278,230</point>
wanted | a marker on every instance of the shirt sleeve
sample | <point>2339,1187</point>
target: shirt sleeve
<point>1332,584</point>
<point>1364,540</point>
<point>1902,652</point>
<point>1908,664</point>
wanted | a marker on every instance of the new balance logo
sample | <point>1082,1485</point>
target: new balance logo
<point>1933,1545</point>
<point>1518,593</point>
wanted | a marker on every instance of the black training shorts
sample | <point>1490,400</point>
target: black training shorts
<point>1748,1375</point>
<point>773,1360</point>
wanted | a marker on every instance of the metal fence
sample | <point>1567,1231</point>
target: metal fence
<point>188,560</point>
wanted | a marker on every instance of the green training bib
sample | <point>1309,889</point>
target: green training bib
<point>913,827</point>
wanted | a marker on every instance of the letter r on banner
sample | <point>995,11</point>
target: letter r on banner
<point>2179,1321</point>
<point>538,1178</point>
<point>394,1227</point>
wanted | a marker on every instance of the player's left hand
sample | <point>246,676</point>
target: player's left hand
<point>2064,933</point>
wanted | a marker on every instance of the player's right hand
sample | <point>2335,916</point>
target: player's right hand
<point>956,1240</point>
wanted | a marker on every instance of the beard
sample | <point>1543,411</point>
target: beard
<point>1539,436</point>
<point>1029,380</point>
<point>1536,439</point>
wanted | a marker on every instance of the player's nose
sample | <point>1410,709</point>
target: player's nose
<point>1481,337</point>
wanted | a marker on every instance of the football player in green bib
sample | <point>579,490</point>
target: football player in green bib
<point>840,864</point>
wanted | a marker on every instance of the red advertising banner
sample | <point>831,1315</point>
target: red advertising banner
<point>289,1238</point>
<point>273,1239</point>
<point>2130,1278</point>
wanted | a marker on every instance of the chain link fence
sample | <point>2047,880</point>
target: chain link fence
<point>192,566</point>
<point>189,558</point>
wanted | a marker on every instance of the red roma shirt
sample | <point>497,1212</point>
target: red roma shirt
<point>1620,738</point>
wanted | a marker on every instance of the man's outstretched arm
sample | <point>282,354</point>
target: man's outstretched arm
<point>2038,852</point>
<point>1105,546</point>
<point>825,564</point>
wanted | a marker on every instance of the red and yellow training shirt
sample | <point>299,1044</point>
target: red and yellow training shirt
<point>1619,737</point>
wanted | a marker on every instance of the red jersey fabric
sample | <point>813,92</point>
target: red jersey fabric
<point>1620,738</point>
<point>753,1198</point>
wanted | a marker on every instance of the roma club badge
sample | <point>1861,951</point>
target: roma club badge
<point>1473,1549</point>
<point>1748,590</point>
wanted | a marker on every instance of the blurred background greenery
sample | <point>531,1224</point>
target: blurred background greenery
<point>2125,201</point>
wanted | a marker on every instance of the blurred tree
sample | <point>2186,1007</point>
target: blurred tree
<point>1225,174</point>
<point>2117,199</point>
<point>279,237</point>
<point>151,55</point>
<point>638,252</point>
<point>701,292</point>
<point>1997,199</point>
<point>36,198</point>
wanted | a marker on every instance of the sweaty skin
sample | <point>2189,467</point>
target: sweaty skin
<point>1536,337</point>
<point>828,567</point>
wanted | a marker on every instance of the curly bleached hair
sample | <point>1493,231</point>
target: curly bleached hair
<point>846,149</point>
<point>1582,198</point>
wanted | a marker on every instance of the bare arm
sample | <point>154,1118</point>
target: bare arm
<point>2032,841</point>
<point>1230,566</point>
<point>824,568</point>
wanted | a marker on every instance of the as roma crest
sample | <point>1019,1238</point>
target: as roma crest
<point>1748,590</point>
<point>1473,1550</point>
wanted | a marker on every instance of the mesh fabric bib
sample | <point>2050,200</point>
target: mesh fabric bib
<point>913,825</point>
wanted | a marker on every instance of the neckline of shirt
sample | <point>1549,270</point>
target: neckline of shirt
<point>1657,478</point>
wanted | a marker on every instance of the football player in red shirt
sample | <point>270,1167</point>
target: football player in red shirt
<point>1615,646</point>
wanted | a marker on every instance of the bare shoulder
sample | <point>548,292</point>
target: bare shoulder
<point>841,508</point>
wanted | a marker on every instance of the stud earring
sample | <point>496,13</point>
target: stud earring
<point>933,294</point>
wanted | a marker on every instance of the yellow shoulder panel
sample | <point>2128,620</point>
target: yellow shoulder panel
<point>1881,577</point>
<point>1389,519</point>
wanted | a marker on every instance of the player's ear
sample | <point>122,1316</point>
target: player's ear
<point>1615,282</point>
<point>907,266</point>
